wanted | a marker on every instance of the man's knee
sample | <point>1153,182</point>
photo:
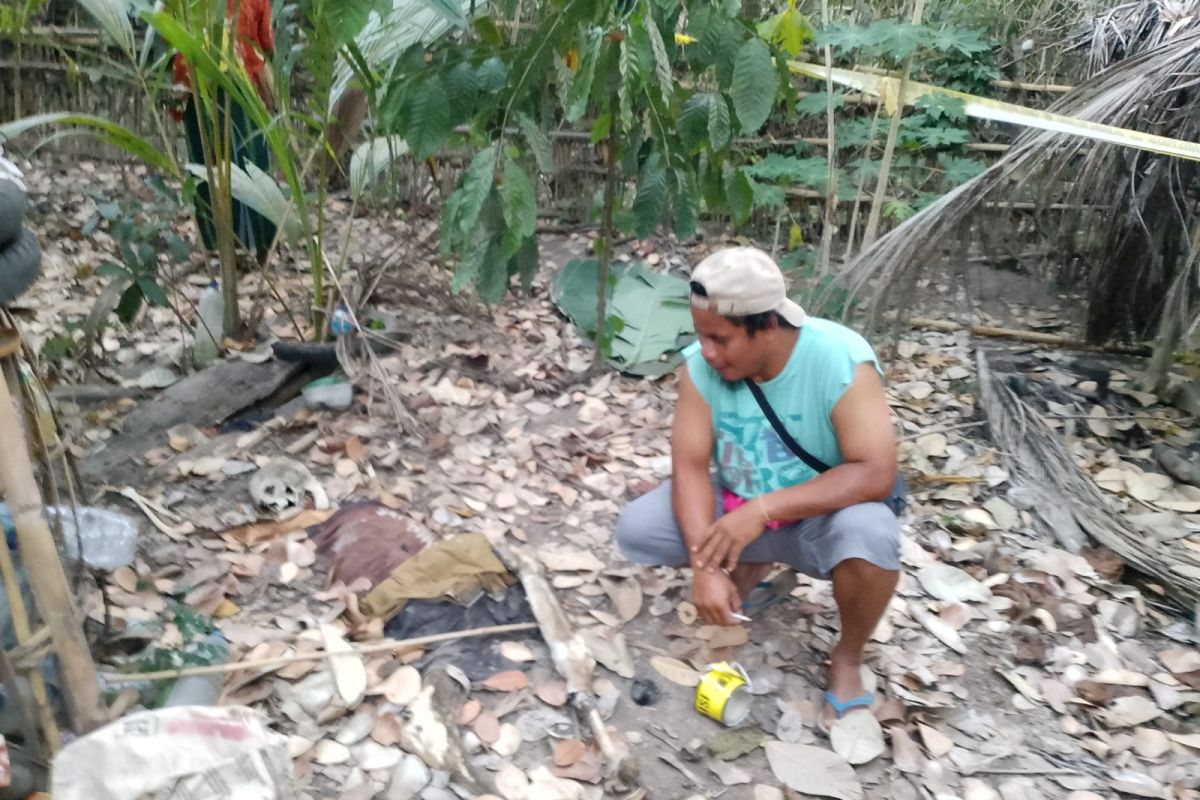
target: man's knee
<point>646,531</point>
<point>627,525</point>
<point>873,528</point>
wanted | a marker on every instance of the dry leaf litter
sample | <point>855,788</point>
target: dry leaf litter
<point>1005,667</point>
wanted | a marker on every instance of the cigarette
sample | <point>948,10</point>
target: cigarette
<point>740,617</point>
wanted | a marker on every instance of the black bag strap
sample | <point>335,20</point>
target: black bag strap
<point>802,454</point>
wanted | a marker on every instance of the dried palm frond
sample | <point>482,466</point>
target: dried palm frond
<point>1067,502</point>
<point>1119,218</point>
<point>1132,28</point>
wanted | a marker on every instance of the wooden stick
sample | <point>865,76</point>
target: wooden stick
<point>568,651</point>
<point>26,638</point>
<point>386,646</point>
<point>942,429</point>
<point>1029,771</point>
<point>1032,337</point>
<point>8,676</point>
<point>687,773</point>
<point>1124,418</point>
<point>1052,88</point>
<point>39,556</point>
<point>31,650</point>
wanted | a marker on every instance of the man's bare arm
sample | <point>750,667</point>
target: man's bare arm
<point>691,454</point>
<point>862,422</point>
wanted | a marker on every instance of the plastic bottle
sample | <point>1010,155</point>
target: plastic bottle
<point>340,322</point>
<point>202,690</point>
<point>209,325</point>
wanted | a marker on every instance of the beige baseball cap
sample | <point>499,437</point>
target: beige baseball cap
<point>739,281</point>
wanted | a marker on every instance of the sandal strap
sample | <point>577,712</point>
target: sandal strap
<point>841,707</point>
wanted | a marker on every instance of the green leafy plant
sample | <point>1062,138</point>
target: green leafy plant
<point>145,236</point>
<point>931,154</point>
<point>192,651</point>
<point>616,67</point>
<point>319,42</point>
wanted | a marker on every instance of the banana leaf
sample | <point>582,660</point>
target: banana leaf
<point>649,312</point>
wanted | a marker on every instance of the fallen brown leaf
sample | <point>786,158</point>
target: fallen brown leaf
<point>385,729</point>
<point>487,727</point>
<point>936,742</point>
<point>469,711</point>
<point>259,532</point>
<point>906,755</point>
<point>508,681</point>
<point>402,686</point>
<point>568,751</point>
<point>1150,743</point>
<point>126,578</point>
<point>328,752</point>
<point>626,596</point>
<point>727,636</point>
<point>516,652</point>
<point>349,672</point>
<point>1179,661</point>
<point>675,671</point>
<point>857,737</point>
<point>1094,692</point>
<point>1131,711</point>
<point>813,770</point>
<point>552,693</point>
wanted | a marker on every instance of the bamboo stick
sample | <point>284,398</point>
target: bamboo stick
<point>39,556</point>
<point>814,194</point>
<point>1021,86</point>
<point>1032,337</point>
<point>26,639</point>
<point>831,199</point>
<point>386,646</point>
<point>889,147</point>
<point>29,728</point>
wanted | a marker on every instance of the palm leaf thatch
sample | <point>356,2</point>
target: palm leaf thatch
<point>1067,503</point>
<point>1131,28</point>
<point>1122,222</point>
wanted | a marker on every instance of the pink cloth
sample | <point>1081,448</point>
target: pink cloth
<point>730,501</point>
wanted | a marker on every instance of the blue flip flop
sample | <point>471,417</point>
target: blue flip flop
<point>769,592</point>
<point>840,708</point>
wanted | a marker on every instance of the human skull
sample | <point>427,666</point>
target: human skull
<point>279,485</point>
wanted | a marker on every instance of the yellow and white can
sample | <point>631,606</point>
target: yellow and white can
<point>724,693</point>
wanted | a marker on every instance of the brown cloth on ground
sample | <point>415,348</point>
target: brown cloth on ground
<point>457,569</point>
<point>365,540</point>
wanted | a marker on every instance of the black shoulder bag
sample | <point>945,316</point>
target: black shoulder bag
<point>897,502</point>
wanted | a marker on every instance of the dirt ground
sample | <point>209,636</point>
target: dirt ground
<point>505,432</point>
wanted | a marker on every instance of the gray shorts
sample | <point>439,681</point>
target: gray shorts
<point>648,533</point>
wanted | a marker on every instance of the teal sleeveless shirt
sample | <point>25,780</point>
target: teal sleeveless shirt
<point>749,456</point>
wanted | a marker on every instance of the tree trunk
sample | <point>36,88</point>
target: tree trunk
<point>606,247</point>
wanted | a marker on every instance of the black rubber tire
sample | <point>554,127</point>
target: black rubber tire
<point>12,211</point>
<point>20,265</point>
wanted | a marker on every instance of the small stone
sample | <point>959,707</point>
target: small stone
<point>644,692</point>
<point>695,751</point>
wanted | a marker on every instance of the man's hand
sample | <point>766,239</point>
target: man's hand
<point>726,538</point>
<point>715,597</point>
